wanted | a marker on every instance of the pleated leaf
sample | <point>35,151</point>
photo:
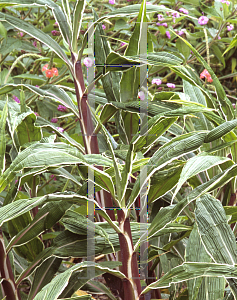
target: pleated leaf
<point>3,138</point>
<point>205,288</point>
<point>53,289</point>
<point>191,270</point>
<point>197,164</point>
<point>216,234</point>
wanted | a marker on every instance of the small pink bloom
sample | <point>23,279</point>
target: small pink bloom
<point>103,26</point>
<point>36,114</point>
<point>183,10</point>
<point>171,85</point>
<point>160,17</point>
<point>53,176</point>
<point>20,33</point>
<point>62,108</point>
<point>176,14</point>
<point>156,81</point>
<point>233,104</point>
<point>164,24</point>
<point>56,24</point>
<point>54,120</point>
<point>16,99</point>
<point>219,38</point>
<point>122,44</point>
<point>88,62</point>
<point>112,2</point>
<point>141,95</point>
<point>35,43</point>
<point>168,34</point>
<point>203,20</point>
<point>227,3</point>
<point>230,27</point>
<point>37,86</point>
<point>60,129</point>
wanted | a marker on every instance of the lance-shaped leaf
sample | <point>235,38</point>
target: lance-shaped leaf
<point>199,288</point>
<point>53,289</point>
<point>48,91</point>
<point>191,270</point>
<point>156,127</point>
<point>220,131</point>
<point>172,150</point>
<point>168,214</point>
<point>47,216</point>
<point>43,275</point>
<point>216,235</point>
<point>77,20</point>
<point>197,164</point>
<point>117,62</point>
<point>3,138</point>
<point>130,80</point>
<point>36,34</point>
<point>231,45</point>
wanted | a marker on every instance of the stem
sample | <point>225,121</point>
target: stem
<point>132,284</point>
<point>9,288</point>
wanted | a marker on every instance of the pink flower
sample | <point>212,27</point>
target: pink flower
<point>205,74</point>
<point>111,1</point>
<point>88,62</point>
<point>230,27</point>
<point>203,20</point>
<point>55,32</point>
<point>219,37</point>
<point>156,81</point>
<point>183,10</point>
<point>56,24</point>
<point>181,32</point>
<point>60,129</point>
<point>37,86</point>
<point>122,44</point>
<point>168,34</point>
<point>16,99</point>
<point>53,176</point>
<point>35,43</point>
<point>160,17</point>
<point>141,95</point>
<point>20,33</point>
<point>103,26</point>
<point>176,14</point>
<point>164,24</point>
<point>171,85</point>
<point>54,120</point>
<point>62,108</point>
<point>226,2</point>
<point>36,114</point>
<point>234,106</point>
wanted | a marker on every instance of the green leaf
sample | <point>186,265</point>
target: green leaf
<point>3,30</point>
<point>3,137</point>
<point>202,287</point>
<point>220,131</point>
<point>77,20</point>
<point>35,33</point>
<point>27,131</point>
<point>43,275</point>
<point>191,270</point>
<point>47,216</point>
<point>216,234</point>
<point>231,45</point>
<point>183,48</point>
<point>53,289</point>
<point>197,164</point>
<point>130,80</point>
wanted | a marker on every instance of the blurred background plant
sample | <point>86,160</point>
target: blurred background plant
<point>56,57</point>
